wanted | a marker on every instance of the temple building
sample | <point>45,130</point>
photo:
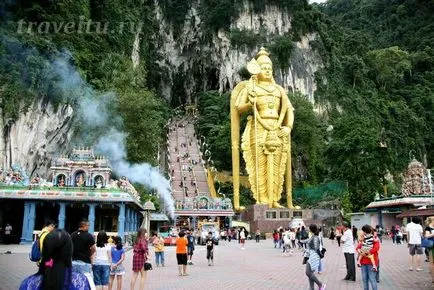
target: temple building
<point>79,187</point>
<point>416,192</point>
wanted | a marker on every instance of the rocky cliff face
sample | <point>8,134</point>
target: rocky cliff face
<point>188,65</point>
<point>36,137</point>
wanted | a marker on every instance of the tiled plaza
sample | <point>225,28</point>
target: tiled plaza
<point>259,266</point>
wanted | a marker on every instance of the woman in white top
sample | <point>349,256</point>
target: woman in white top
<point>101,262</point>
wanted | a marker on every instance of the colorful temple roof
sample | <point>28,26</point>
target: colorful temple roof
<point>81,176</point>
<point>68,194</point>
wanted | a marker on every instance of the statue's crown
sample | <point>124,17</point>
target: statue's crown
<point>262,56</point>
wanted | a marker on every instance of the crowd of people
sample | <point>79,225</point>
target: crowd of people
<point>77,261</point>
<point>360,247</point>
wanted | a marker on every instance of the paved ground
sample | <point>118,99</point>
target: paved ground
<point>259,266</point>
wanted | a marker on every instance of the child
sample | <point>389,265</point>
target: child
<point>117,268</point>
<point>159,250</point>
<point>210,242</point>
<point>181,253</point>
<point>242,238</point>
<point>286,243</point>
<point>367,241</point>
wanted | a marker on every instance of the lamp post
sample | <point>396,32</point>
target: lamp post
<point>148,207</point>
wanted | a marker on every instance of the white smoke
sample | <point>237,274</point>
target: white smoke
<point>60,81</point>
<point>103,126</point>
<point>112,145</point>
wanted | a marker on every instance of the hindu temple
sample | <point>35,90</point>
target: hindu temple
<point>416,192</point>
<point>79,186</point>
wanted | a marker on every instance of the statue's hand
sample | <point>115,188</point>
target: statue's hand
<point>252,96</point>
<point>284,132</point>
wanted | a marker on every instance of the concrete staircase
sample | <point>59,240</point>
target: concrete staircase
<point>186,166</point>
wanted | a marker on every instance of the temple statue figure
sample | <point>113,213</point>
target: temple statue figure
<point>416,181</point>
<point>266,141</point>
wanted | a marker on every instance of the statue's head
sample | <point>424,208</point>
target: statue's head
<point>265,64</point>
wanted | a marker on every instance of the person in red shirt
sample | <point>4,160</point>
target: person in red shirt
<point>181,253</point>
<point>368,275</point>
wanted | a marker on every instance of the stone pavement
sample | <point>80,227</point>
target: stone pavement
<point>259,266</point>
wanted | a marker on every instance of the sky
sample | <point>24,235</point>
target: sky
<point>317,1</point>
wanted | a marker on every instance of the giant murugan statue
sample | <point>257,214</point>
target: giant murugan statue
<point>266,141</point>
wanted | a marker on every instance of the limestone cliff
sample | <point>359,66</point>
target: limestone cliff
<point>188,64</point>
<point>37,135</point>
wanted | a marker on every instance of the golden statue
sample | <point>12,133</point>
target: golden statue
<point>266,141</point>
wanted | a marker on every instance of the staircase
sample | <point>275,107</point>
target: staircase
<point>186,166</point>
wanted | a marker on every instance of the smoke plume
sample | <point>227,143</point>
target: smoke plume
<point>99,124</point>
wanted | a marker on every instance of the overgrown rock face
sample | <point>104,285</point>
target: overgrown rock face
<point>190,60</point>
<point>39,134</point>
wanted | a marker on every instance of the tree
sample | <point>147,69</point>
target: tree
<point>388,65</point>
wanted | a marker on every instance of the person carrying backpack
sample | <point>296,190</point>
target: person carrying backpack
<point>37,249</point>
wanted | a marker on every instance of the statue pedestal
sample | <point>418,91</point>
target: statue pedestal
<point>266,219</point>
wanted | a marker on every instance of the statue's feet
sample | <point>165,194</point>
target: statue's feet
<point>277,205</point>
<point>240,208</point>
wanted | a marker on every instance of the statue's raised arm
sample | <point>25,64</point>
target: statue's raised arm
<point>266,141</point>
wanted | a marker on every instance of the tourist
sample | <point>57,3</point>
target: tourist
<point>376,238</point>
<point>379,232</point>
<point>429,234</point>
<point>354,233</point>
<point>313,254</point>
<point>181,253</point>
<point>49,226</point>
<point>55,271</point>
<point>190,247</point>
<point>338,234</point>
<point>304,236</point>
<point>140,256</point>
<point>348,250</point>
<point>242,238</point>
<point>404,234</point>
<point>257,235</point>
<point>7,234</point>
<point>321,261</point>
<point>368,264</point>
<point>366,240</point>
<point>332,235</point>
<point>210,242</point>
<point>280,237</point>
<point>117,268</point>
<point>223,235</point>
<point>393,234</point>
<point>286,242</point>
<point>292,237</point>
<point>102,261</point>
<point>158,243</point>
<point>414,233</point>
<point>83,249</point>
<point>298,237</point>
<point>398,238</point>
<point>275,238</point>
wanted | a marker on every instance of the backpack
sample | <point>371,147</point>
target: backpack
<point>35,251</point>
